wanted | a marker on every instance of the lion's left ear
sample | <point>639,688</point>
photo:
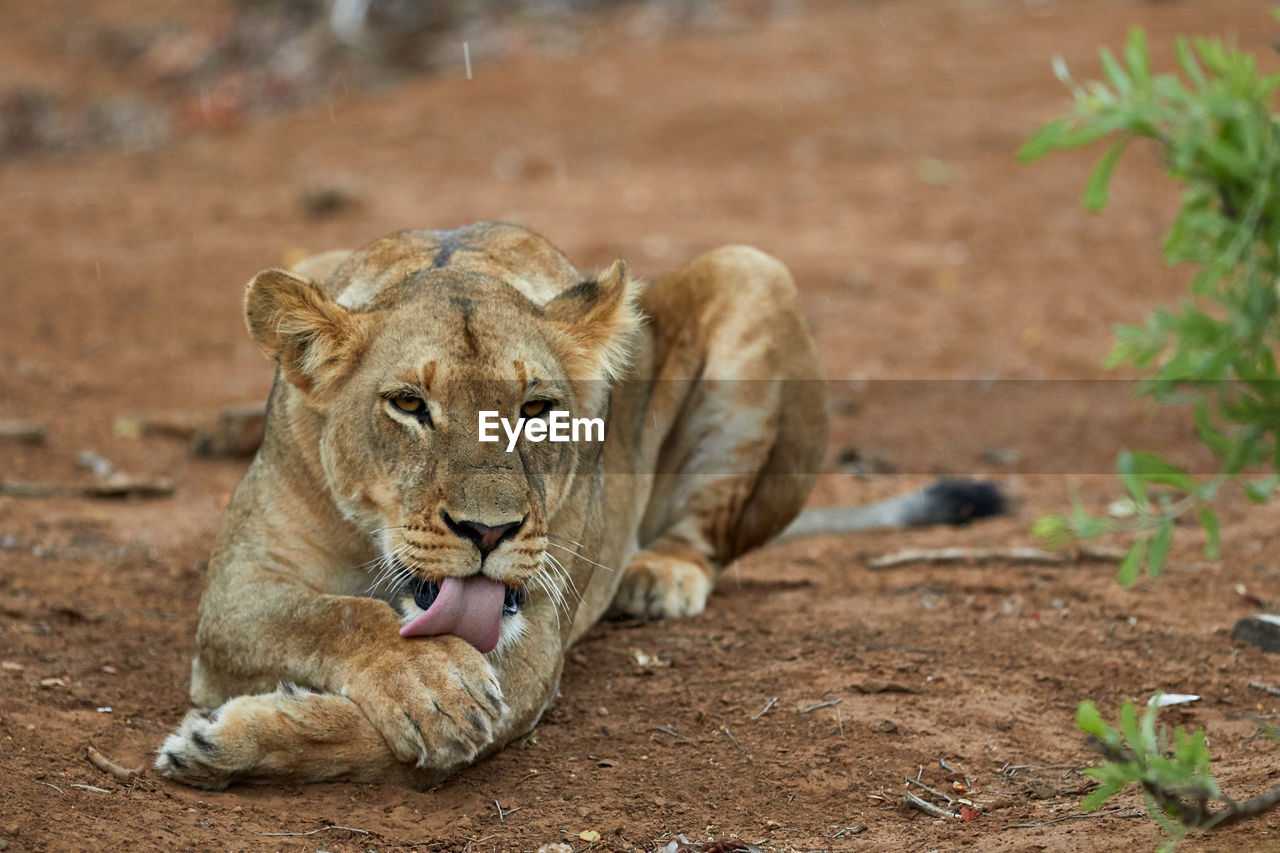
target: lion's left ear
<point>599,319</point>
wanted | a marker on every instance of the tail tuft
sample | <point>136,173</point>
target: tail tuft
<point>959,502</point>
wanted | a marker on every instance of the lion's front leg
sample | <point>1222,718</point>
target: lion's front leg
<point>369,705</point>
<point>435,700</point>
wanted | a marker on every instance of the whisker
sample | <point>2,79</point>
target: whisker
<point>581,557</point>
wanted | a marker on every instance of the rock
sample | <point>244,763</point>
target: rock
<point>1262,631</point>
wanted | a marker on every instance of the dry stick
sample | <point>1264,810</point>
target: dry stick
<point>827,704</point>
<point>49,785</point>
<point>106,765</point>
<point>725,729</point>
<point>773,700</point>
<point>1128,812</point>
<point>501,817</point>
<point>973,556</point>
<point>926,807</point>
<point>93,788</point>
<point>1265,688</point>
<point>314,831</point>
<point>672,732</point>
<point>925,787</point>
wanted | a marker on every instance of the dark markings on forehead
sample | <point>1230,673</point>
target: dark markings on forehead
<point>450,242</point>
<point>464,307</point>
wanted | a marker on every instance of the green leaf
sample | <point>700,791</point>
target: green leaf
<point>1127,470</point>
<point>1259,491</point>
<point>1132,564</point>
<point>1158,549</point>
<point>1209,521</point>
<point>1044,140</point>
<point>1115,74</point>
<point>1088,719</point>
<point>1187,59</point>
<point>1100,795</point>
<point>1129,725</point>
<point>1153,469</point>
<point>1135,57</point>
<point>1095,192</point>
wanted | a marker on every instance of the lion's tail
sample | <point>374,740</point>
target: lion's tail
<point>945,502</point>
<point>289,735</point>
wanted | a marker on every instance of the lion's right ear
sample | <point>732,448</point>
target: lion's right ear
<point>314,339</point>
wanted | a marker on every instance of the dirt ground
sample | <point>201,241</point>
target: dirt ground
<point>870,146</point>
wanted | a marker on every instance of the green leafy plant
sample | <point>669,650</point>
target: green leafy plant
<point>1179,791</point>
<point>1216,133</point>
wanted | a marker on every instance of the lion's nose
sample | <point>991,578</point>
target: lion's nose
<point>483,536</point>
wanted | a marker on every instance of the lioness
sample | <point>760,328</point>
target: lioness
<point>390,597</point>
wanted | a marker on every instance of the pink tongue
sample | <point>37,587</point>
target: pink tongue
<point>470,608</point>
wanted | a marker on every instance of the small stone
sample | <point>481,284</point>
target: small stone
<point>1262,630</point>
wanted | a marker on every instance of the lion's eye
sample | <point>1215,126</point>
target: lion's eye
<point>409,404</point>
<point>535,408</point>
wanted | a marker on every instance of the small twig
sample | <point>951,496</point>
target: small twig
<point>1265,688</point>
<point>501,818</point>
<point>942,762</point>
<point>93,788</point>
<point>314,831</point>
<point>106,765</point>
<point>974,556</point>
<point>672,732</point>
<point>1127,812</point>
<point>773,700</point>
<point>839,723</point>
<point>926,807</point>
<point>829,703</point>
<point>850,830</point>
<point>725,729</point>
<point>49,785</point>
<point>923,786</point>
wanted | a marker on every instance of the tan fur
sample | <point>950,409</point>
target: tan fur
<point>716,422</point>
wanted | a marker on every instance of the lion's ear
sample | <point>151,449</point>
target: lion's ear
<point>314,339</point>
<point>599,318</point>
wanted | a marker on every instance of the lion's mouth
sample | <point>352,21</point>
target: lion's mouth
<point>470,608</point>
<point>426,592</point>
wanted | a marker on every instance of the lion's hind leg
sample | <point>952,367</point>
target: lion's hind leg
<point>289,735</point>
<point>738,421</point>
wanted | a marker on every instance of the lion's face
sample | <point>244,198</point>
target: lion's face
<point>400,382</point>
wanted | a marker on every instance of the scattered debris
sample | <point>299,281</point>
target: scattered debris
<point>1262,630</point>
<point>673,733</point>
<point>118,485</point>
<point>93,788</point>
<point>1120,812</point>
<point>121,774</point>
<point>236,432</point>
<point>327,201</point>
<point>1265,688</point>
<point>589,835</point>
<point>978,556</point>
<point>316,831</point>
<point>23,432</point>
<point>773,700</point>
<point>829,703</point>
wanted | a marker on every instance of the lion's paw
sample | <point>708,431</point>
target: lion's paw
<point>197,753</point>
<point>436,703</point>
<point>660,586</point>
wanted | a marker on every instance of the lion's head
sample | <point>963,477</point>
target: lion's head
<point>395,356</point>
